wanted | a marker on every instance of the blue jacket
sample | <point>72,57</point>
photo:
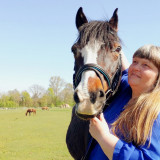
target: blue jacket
<point>123,150</point>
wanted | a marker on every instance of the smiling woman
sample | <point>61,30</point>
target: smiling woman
<point>142,76</point>
<point>134,134</point>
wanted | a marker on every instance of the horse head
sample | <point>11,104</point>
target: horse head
<point>97,65</point>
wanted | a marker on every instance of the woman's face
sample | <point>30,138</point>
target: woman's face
<point>142,75</point>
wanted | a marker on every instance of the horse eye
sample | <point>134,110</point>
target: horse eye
<point>118,49</point>
<point>103,46</point>
<point>73,49</point>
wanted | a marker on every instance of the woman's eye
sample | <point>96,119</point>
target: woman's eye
<point>146,65</point>
<point>134,62</point>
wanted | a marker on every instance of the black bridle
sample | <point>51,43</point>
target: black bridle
<point>113,82</point>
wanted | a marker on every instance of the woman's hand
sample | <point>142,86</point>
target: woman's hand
<point>98,128</point>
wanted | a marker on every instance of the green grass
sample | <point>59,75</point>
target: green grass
<point>39,137</point>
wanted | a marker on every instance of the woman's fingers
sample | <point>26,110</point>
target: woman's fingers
<point>96,120</point>
<point>102,117</point>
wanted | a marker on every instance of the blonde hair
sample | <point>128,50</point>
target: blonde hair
<point>135,122</point>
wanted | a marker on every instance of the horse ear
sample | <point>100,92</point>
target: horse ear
<point>114,20</point>
<point>80,18</point>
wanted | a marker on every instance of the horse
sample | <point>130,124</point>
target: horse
<point>97,73</point>
<point>31,111</point>
<point>45,108</point>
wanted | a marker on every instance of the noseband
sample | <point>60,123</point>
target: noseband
<point>112,82</point>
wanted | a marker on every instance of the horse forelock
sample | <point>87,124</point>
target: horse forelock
<point>97,30</point>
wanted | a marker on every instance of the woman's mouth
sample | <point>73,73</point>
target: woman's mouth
<point>135,75</point>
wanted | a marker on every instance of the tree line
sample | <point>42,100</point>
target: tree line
<point>58,93</point>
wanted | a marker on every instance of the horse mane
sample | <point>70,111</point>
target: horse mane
<point>97,30</point>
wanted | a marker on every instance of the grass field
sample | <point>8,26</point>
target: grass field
<point>39,137</point>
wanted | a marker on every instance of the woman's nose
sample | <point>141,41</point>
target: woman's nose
<point>137,67</point>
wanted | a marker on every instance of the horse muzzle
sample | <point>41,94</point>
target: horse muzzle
<point>87,116</point>
<point>91,106</point>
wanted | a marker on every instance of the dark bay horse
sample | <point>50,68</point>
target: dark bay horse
<point>29,111</point>
<point>97,72</point>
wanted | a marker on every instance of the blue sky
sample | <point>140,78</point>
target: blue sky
<point>36,35</point>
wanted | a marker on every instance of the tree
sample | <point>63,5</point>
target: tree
<point>67,94</point>
<point>26,99</point>
<point>50,97</point>
<point>43,101</point>
<point>6,102</point>
<point>3,100</point>
<point>37,93</point>
<point>57,84</point>
<point>15,96</point>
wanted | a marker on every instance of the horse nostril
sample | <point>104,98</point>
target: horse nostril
<point>76,98</point>
<point>101,93</point>
<point>93,97</point>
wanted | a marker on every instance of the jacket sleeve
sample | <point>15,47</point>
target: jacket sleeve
<point>127,151</point>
